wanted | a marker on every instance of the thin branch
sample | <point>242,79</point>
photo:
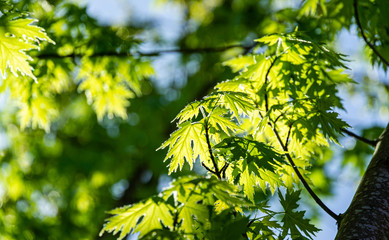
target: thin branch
<point>365,140</point>
<point>300,176</point>
<point>208,169</point>
<point>266,78</point>
<point>279,116</point>
<point>287,137</point>
<point>224,169</point>
<point>217,172</point>
<point>358,21</point>
<point>247,48</point>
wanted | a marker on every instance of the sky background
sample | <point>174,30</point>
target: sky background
<point>168,20</point>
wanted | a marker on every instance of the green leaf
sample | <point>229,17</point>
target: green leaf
<point>219,119</point>
<point>294,221</point>
<point>227,226</point>
<point>189,112</point>
<point>254,161</point>
<point>180,145</point>
<point>270,40</point>
<point>23,28</point>
<point>313,7</point>
<point>191,212</point>
<point>237,102</point>
<point>240,62</point>
<point>264,156</point>
<point>109,92</point>
<point>15,40</point>
<point>142,217</point>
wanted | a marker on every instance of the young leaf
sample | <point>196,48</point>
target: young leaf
<point>237,102</point>
<point>294,221</point>
<point>17,37</point>
<point>220,121</point>
<point>192,211</point>
<point>180,145</point>
<point>189,112</point>
<point>239,63</point>
<point>142,217</point>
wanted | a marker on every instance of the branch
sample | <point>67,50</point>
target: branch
<point>224,169</point>
<point>151,53</point>
<point>266,77</point>
<point>300,176</point>
<point>365,140</point>
<point>208,169</point>
<point>287,137</point>
<point>358,21</point>
<point>216,172</point>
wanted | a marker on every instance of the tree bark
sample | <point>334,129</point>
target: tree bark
<point>368,214</point>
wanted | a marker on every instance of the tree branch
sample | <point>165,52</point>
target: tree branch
<point>224,169</point>
<point>217,172</point>
<point>266,78</point>
<point>247,48</point>
<point>287,137</point>
<point>300,176</point>
<point>358,21</point>
<point>208,169</point>
<point>365,140</point>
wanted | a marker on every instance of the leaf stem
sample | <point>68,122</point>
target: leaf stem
<point>358,21</point>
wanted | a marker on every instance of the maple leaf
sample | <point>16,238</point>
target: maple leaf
<point>189,112</point>
<point>142,217</point>
<point>237,102</point>
<point>14,57</point>
<point>218,119</point>
<point>17,37</point>
<point>192,211</point>
<point>195,196</point>
<point>22,28</point>
<point>239,63</point>
<point>180,145</point>
<point>293,220</point>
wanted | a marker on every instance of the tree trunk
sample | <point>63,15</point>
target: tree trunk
<point>368,214</point>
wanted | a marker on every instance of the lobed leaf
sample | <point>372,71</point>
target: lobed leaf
<point>180,145</point>
<point>142,217</point>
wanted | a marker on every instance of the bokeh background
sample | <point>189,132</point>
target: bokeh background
<point>58,184</point>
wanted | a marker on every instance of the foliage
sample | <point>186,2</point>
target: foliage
<point>82,119</point>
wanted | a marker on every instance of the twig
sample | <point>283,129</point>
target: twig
<point>217,172</point>
<point>365,140</point>
<point>266,77</point>
<point>300,176</point>
<point>224,169</point>
<point>151,53</point>
<point>208,169</point>
<point>358,21</point>
<point>287,137</point>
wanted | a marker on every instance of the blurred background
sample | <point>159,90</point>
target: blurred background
<point>59,184</point>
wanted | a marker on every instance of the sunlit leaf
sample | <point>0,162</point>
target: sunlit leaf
<point>142,217</point>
